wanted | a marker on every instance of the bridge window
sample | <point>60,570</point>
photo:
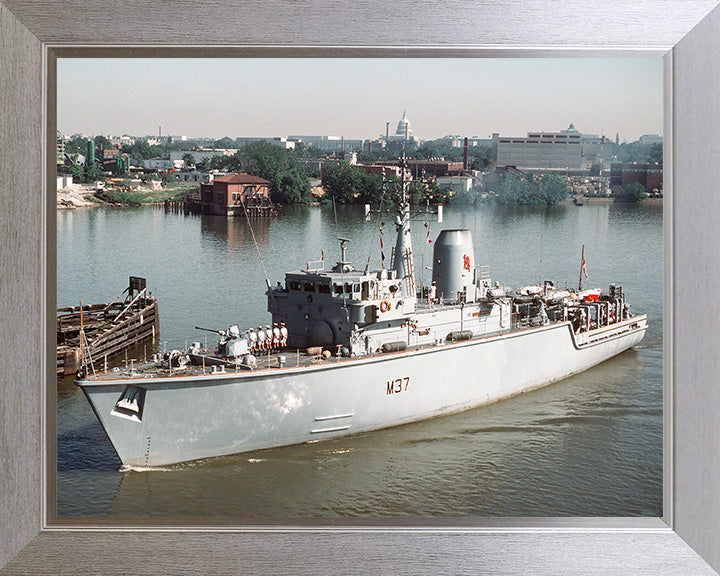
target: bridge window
<point>294,285</point>
<point>365,291</point>
<point>323,288</point>
<point>309,287</point>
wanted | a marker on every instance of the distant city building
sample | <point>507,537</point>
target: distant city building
<point>328,143</point>
<point>282,142</point>
<point>200,154</point>
<point>197,175</point>
<point>403,135</point>
<point>164,163</point>
<point>547,150</point>
<point>107,153</point>
<point>457,183</point>
<point>570,130</point>
<point>567,149</point>
<point>459,141</point>
<point>492,178</point>
<point>202,141</point>
<point>651,139</point>
<point>317,165</point>
<point>122,140</point>
<point>596,149</point>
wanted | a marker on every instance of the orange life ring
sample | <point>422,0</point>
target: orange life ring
<point>384,306</point>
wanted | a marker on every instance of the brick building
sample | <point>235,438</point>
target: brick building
<point>228,194</point>
<point>649,175</point>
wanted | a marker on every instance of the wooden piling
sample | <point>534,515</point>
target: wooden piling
<point>109,328</point>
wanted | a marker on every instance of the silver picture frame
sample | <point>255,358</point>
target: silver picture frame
<point>685,33</point>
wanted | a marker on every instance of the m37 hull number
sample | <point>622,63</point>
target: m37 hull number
<point>398,385</point>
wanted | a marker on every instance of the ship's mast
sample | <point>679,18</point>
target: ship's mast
<point>403,260</point>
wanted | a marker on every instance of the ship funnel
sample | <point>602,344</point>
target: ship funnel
<point>454,266</point>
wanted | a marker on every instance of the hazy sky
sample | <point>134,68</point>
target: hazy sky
<point>354,98</point>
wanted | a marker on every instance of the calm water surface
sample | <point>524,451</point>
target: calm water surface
<point>590,445</point>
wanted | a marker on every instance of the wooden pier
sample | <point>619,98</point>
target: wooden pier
<point>95,332</point>
<point>253,207</point>
<point>189,205</point>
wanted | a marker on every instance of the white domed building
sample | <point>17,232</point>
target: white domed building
<point>403,134</point>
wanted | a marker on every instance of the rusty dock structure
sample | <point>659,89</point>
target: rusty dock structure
<point>92,333</point>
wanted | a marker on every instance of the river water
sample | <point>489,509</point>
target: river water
<point>590,445</point>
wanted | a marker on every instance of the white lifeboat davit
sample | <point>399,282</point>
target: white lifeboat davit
<point>531,290</point>
<point>589,295</point>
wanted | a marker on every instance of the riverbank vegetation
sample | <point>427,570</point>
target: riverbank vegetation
<point>546,189</point>
<point>633,192</point>
<point>142,195</point>
<point>345,183</point>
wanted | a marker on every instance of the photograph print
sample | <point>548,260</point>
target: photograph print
<point>359,288</point>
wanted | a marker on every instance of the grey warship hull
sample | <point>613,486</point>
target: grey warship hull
<point>190,416</point>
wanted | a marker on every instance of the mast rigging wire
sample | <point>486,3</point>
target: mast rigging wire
<point>257,248</point>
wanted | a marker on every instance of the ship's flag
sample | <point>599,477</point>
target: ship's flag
<point>428,233</point>
<point>584,268</point>
<point>381,243</point>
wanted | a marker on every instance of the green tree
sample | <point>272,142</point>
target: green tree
<point>513,190</point>
<point>436,195</point>
<point>290,186</point>
<point>655,153</point>
<point>480,157</point>
<point>92,173</point>
<point>77,172</point>
<point>465,197</point>
<point>205,164</point>
<point>141,150</point>
<point>305,150</point>
<point>288,180</point>
<point>427,150</point>
<point>633,192</point>
<point>188,160</point>
<point>102,142</point>
<point>76,146</point>
<point>370,188</point>
<point>549,190</point>
<point>341,182</point>
<point>375,155</point>
<point>628,152</point>
<point>225,142</point>
<point>421,193</point>
<point>552,188</point>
